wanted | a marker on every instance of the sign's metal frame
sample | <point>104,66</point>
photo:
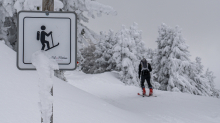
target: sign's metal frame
<point>47,13</point>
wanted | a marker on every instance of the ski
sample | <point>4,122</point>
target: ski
<point>146,95</point>
<point>52,47</point>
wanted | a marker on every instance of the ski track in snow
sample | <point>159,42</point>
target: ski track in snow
<point>99,98</point>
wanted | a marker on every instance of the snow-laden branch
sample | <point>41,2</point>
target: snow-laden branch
<point>99,8</point>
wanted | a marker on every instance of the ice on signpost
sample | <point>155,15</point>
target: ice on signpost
<point>45,67</point>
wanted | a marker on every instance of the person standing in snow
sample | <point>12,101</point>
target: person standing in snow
<point>144,73</point>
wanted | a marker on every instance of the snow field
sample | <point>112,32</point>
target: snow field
<point>18,90</point>
<point>19,98</point>
<point>167,107</point>
<point>98,98</point>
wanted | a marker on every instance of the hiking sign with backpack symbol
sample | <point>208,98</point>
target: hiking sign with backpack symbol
<point>52,32</point>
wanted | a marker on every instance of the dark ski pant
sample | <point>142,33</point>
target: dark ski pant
<point>43,44</point>
<point>147,78</point>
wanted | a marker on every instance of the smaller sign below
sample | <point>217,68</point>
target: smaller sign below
<point>54,33</point>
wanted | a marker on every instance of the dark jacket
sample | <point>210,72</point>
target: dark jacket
<point>147,72</point>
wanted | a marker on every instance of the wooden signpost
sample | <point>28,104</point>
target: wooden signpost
<point>48,5</point>
<point>52,32</point>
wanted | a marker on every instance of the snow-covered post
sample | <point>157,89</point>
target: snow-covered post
<point>48,5</point>
<point>45,68</point>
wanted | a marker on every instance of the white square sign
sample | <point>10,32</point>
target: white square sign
<point>53,32</point>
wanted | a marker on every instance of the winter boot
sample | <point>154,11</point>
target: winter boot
<point>151,92</point>
<point>144,91</point>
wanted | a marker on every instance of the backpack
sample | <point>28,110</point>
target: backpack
<point>144,66</point>
<point>38,35</point>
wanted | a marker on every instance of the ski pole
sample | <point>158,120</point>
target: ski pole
<point>52,38</point>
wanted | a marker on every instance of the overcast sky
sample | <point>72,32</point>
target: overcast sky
<point>199,20</point>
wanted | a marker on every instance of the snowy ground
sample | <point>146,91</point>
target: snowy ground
<point>100,98</point>
<point>167,107</point>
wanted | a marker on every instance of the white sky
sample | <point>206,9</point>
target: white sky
<point>199,20</point>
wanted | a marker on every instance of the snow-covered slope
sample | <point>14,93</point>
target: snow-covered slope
<point>100,98</point>
<point>167,107</point>
<point>19,98</point>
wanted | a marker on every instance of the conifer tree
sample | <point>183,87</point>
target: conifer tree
<point>7,23</point>
<point>88,6</point>
<point>173,68</point>
<point>112,42</point>
<point>88,65</point>
<point>210,77</point>
<point>128,52</point>
<point>171,60</point>
<point>104,52</point>
<point>136,35</point>
<point>128,63</point>
<point>100,51</point>
<point>199,65</point>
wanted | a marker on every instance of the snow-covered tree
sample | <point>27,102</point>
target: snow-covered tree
<point>101,52</point>
<point>210,77</point>
<point>88,65</point>
<point>204,83</point>
<point>172,57</point>
<point>199,65</point>
<point>111,42</point>
<point>12,31</point>
<point>7,22</point>
<point>136,35</point>
<point>104,52</point>
<point>174,70</point>
<point>90,7</point>
<point>86,36</point>
<point>128,51</point>
<point>195,73</point>
<point>124,56</point>
<point>142,51</point>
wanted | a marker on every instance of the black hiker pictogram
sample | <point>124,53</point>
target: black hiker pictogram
<point>42,35</point>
